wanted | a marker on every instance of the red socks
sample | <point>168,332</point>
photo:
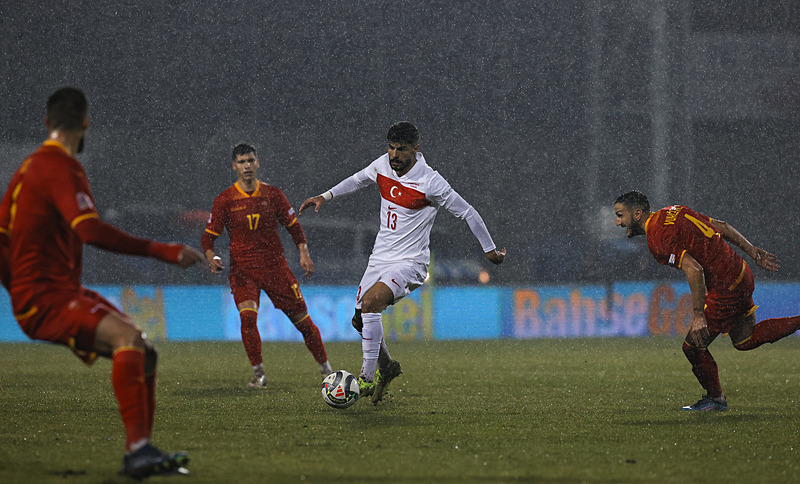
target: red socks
<point>312,338</point>
<point>250,336</point>
<point>769,331</point>
<point>704,368</point>
<point>128,381</point>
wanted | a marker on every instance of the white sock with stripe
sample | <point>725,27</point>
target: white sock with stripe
<point>371,337</point>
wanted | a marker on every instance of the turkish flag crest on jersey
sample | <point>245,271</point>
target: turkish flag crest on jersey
<point>396,192</point>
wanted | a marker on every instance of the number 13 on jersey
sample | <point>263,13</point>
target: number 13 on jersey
<point>391,220</point>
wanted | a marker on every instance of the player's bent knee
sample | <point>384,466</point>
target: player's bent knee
<point>116,331</point>
<point>690,350</point>
<point>743,345</point>
<point>372,305</point>
<point>299,320</point>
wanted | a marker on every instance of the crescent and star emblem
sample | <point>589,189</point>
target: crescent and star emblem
<point>391,192</point>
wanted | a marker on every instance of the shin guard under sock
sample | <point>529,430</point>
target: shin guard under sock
<point>371,337</point>
<point>128,381</point>
<point>312,339</point>
<point>250,335</point>
<point>704,368</point>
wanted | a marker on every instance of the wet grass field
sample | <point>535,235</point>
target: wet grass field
<point>583,410</point>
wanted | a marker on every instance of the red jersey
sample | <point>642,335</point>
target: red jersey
<point>47,197</point>
<point>252,223</point>
<point>674,231</point>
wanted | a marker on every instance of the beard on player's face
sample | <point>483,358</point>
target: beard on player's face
<point>635,228</point>
<point>398,164</point>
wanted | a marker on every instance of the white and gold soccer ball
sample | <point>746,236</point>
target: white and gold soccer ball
<point>340,389</point>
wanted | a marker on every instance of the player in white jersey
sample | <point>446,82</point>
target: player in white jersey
<point>411,194</point>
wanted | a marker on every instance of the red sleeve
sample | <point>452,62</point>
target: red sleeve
<point>104,236</point>
<point>207,241</point>
<point>215,225</point>
<point>288,218</point>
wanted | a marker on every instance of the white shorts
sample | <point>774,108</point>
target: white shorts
<point>400,277</point>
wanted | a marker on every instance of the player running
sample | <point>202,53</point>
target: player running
<point>250,211</point>
<point>720,281</point>
<point>411,194</point>
<point>46,216</point>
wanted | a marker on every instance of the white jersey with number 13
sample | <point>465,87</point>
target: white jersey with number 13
<point>408,208</point>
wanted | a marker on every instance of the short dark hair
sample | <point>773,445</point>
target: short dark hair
<point>634,200</point>
<point>403,132</point>
<point>242,149</point>
<point>66,109</point>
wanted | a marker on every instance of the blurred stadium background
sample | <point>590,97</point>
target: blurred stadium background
<point>539,113</point>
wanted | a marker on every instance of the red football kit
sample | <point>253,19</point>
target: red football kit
<point>675,231</point>
<point>257,260</point>
<point>46,216</point>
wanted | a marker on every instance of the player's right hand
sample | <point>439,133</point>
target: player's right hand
<point>317,201</point>
<point>214,262</point>
<point>189,256</point>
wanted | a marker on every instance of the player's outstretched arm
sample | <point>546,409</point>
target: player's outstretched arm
<point>496,256</point>
<point>104,236</point>
<point>764,259</point>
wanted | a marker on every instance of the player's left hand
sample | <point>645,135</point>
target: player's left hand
<point>767,261</point>
<point>496,256</point>
<point>306,263</point>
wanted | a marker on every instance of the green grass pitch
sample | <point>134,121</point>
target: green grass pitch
<point>583,410</point>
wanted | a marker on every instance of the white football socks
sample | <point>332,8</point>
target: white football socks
<point>371,338</point>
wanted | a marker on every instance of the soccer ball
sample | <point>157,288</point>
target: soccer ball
<point>340,389</point>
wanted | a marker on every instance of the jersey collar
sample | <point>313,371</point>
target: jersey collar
<point>52,142</point>
<point>648,222</point>
<point>258,188</point>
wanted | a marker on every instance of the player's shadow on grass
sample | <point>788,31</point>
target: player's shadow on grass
<point>700,418</point>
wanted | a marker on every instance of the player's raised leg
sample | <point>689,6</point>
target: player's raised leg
<point>746,335</point>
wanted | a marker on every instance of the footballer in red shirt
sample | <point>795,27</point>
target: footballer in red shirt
<point>250,211</point>
<point>720,281</point>
<point>46,216</point>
